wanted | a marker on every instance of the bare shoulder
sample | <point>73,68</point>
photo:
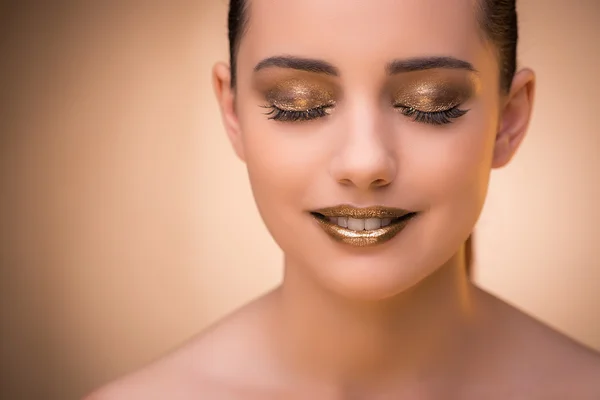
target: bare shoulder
<point>208,365</point>
<point>543,358</point>
<point>171,377</point>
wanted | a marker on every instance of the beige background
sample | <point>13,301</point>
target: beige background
<point>127,224</point>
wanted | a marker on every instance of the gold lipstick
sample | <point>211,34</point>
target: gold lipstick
<point>362,227</point>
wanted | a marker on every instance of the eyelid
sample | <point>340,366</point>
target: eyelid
<point>440,108</point>
<point>306,104</point>
<point>282,115</point>
<point>308,91</point>
<point>435,102</point>
<point>442,117</point>
<point>434,91</point>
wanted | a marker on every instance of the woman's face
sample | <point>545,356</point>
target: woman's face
<point>366,103</point>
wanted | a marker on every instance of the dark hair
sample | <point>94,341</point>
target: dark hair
<point>497,18</point>
<point>237,22</point>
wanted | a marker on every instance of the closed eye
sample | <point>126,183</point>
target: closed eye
<point>280,114</point>
<point>434,117</point>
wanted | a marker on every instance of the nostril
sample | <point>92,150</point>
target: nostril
<point>379,182</point>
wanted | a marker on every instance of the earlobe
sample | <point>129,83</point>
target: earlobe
<point>515,117</point>
<point>221,78</point>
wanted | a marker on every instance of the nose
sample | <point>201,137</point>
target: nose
<point>365,158</point>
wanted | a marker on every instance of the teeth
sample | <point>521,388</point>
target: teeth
<point>372,223</point>
<point>356,224</point>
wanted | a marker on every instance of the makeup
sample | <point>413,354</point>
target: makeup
<point>433,96</point>
<point>299,95</point>
<point>295,96</point>
<point>299,100</point>
<point>362,227</point>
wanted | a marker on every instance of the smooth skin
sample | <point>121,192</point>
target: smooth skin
<point>396,321</point>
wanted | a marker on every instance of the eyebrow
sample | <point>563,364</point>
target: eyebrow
<point>302,64</point>
<point>392,68</point>
<point>424,63</point>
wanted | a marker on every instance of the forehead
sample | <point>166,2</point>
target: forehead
<point>352,32</point>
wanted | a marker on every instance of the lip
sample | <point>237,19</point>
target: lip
<point>366,237</point>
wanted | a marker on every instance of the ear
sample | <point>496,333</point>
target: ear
<point>221,78</point>
<point>515,116</point>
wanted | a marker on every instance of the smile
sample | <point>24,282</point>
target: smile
<point>362,227</point>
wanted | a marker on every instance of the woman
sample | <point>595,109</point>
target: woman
<point>369,130</point>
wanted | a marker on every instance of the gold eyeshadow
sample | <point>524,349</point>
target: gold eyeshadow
<point>427,96</point>
<point>431,91</point>
<point>295,94</point>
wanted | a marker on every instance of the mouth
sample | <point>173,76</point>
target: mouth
<point>362,227</point>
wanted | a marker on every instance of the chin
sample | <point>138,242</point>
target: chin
<point>374,281</point>
<point>368,273</point>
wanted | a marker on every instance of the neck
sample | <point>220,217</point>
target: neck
<point>413,334</point>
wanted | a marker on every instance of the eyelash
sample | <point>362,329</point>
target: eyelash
<point>279,114</point>
<point>431,118</point>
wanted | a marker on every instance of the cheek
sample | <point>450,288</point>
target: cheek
<point>452,169</point>
<point>282,160</point>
